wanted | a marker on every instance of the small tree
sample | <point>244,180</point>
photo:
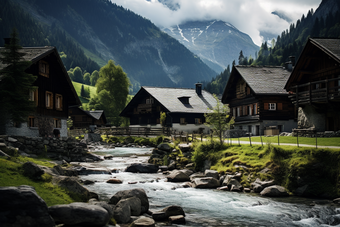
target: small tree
<point>219,119</point>
<point>82,91</point>
<point>162,118</point>
<point>15,83</point>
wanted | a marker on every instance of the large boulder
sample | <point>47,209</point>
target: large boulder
<point>82,214</point>
<point>122,212</point>
<point>137,192</point>
<point>178,176</point>
<point>274,191</point>
<point>173,211</point>
<point>32,170</point>
<point>21,206</point>
<point>264,184</point>
<point>141,168</point>
<point>211,173</point>
<point>72,184</point>
<point>206,182</point>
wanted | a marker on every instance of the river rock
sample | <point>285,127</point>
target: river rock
<point>137,192</point>
<point>122,212</point>
<point>164,147</point>
<point>231,182</point>
<point>142,168</point>
<point>114,181</point>
<point>173,211</point>
<point>206,182</point>
<point>178,219</point>
<point>32,170</point>
<point>274,191</point>
<point>264,184</point>
<point>211,173</point>
<point>177,176</point>
<point>143,222</point>
<point>21,206</point>
<point>257,188</point>
<point>196,175</point>
<point>104,205</point>
<point>82,214</point>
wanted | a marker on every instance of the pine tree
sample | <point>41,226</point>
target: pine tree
<point>15,83</point>
<point>82,91</point>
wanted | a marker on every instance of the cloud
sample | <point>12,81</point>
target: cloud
<point>249,16</point>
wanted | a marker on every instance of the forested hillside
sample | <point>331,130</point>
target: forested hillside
<point>106,31</point>
<point>32,33</point>
<point>325,22</point>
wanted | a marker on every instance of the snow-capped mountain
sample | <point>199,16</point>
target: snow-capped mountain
<point>216,42</point>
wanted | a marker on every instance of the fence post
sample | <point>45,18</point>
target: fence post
<point>316,140</point>
<point>278,140</point>
<point>250,140</point>
<point>261,140</point>
<point>297,138</point>
<point>239,141</point>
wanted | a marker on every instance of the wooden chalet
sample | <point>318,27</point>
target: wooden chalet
<point>184,108</point>
<point>54,93</point>
<point>85,119</point>
<point>258,101</point>
<point>314,85</point>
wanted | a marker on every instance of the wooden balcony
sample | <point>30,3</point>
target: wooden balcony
<point>322,91</point>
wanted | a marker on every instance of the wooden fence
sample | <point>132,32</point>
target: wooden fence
<point>134,131</point>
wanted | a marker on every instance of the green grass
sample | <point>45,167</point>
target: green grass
<point>12,175</point>
<point>322,141</point>
<point>77,87</point>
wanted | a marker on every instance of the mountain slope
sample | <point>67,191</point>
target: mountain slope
<point>148,55</point>
<point>217,43</point>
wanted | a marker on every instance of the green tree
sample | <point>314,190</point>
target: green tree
<point>241,58</point>
<point>78,75</point>
<point>87,78</point>
<point>15,83</point>
<point>82,91</point>
<point>115,82</point>
<point>94,77</point>
<point>219,120</point>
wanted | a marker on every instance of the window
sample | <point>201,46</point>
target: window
<point>33,96</point>
<point>244,110</point>
<point>182,121</point>
<point>44,68</point>
<point>254,109</point>
<point>272,106</point>
<point>31,121</point>
<point>149,101</point>
<point>249,110</point>
<point>57,123</point>
<point>49,100</point>
<point>198,121</point>
<point>238,111</point>
<point>59,102</point>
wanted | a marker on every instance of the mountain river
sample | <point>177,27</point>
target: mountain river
<point>207,207</point>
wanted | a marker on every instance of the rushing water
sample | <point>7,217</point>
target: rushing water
<point>207,207</point>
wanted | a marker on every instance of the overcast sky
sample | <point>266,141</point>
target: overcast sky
<point>249,16</point>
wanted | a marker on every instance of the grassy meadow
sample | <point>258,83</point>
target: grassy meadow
<point>77,87</point>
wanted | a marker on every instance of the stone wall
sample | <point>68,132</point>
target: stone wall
<point>62,148</point>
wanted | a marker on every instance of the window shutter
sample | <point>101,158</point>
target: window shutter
<point>47,69</point>
<point>36,97</point>
<point>266,106</point>
<point>279,106</point>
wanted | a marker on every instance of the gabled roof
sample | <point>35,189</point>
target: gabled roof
<point>328,46</point>
<point>169,98</point>
<point>34,54</point>
<point>263,80</point>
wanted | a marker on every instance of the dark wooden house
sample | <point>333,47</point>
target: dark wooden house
<point>54,93</point>
<point>314,85</point>
<point>257,99</point>
<point>85,119</point>
<point>184,108</point>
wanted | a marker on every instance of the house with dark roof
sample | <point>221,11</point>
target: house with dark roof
<point>84,119</point>
<point>184,108</point>
<point>258,101</point>
<point>314,85</point>
<point>54,93</point>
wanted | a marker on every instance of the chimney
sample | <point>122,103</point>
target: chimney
<point>198,88</point>
<point>292,60</point>
<point>289,66</point>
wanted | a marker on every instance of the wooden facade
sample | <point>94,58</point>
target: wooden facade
<point>54,91</point>
<point>256,100</point>
<point>184,108</point>
<point>85,119</point>
<point>314,85</point>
